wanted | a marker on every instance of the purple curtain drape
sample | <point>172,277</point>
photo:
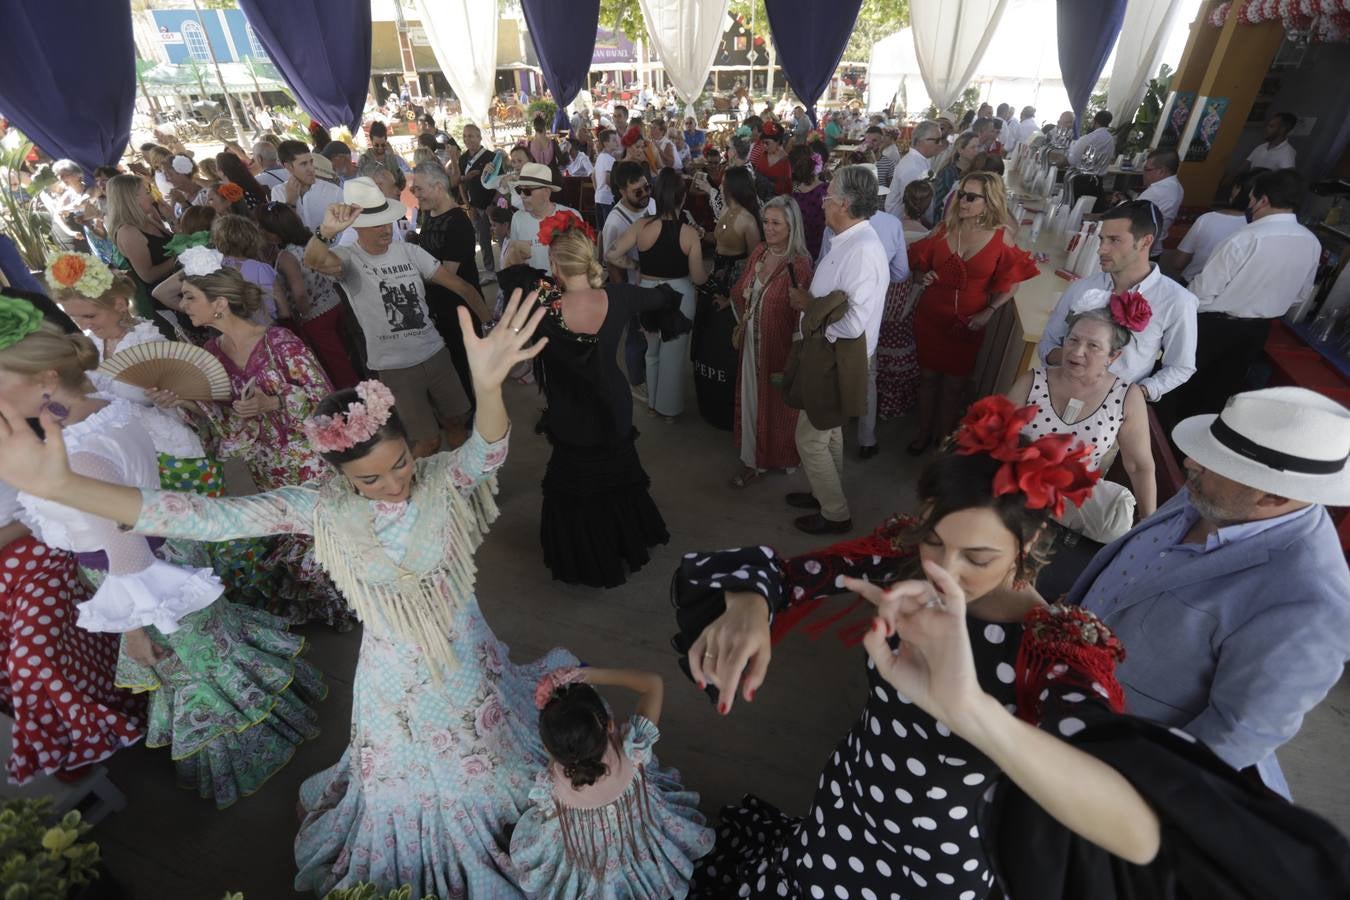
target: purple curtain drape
<point>68,77</point>
<point>322,49</point>
<point>564,40</point>
<point>811,36</point>
<point>1087,32</point>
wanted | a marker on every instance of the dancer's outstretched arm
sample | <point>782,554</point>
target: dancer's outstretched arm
<point>491,359</point>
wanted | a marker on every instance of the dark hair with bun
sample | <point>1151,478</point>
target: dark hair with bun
<point>574,727</point>
<point>954,482</point>
<point>336,404</point>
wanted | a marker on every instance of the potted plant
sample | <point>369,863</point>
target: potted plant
<point>44,861</point>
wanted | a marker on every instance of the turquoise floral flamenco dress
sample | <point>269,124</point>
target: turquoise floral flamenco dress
<point>444,749</point>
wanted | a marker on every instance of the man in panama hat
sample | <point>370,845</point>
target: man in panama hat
<point>536,188</point>
<point>1233,599</point>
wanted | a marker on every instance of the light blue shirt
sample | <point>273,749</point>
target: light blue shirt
<point>892,235</point>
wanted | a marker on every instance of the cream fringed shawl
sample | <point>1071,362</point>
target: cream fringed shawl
<point>415,597</point>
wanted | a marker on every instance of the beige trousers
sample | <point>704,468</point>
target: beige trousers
<point>822,454</point>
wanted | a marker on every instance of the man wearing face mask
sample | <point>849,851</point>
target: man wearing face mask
<point>1254,276</point>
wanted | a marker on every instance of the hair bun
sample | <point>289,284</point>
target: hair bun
<point>585,772</point>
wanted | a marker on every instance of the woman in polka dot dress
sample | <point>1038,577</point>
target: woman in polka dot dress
<point>1080,396</point>
<point>56,681</point>
<point>894,813</point>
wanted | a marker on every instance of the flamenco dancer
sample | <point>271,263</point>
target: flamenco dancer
<point>227,694</point>
<point>598,519</point>
<point>444,749</point>
<point>964,663</point>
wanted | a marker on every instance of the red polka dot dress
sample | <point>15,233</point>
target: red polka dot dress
<point>56,679</point>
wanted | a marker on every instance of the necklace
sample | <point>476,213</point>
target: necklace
<point>773,252</point>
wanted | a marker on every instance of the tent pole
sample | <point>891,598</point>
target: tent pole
<point>211,52</point>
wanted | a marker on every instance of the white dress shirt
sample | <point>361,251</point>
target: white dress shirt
<point>1261,271</point>
<point>1264,156</point>
<point>891,231</point>
<point>313,203</point>
<point>857,264</point>
<point>1101,141</point>
<point>603,164</point>
<point>913,166</point>
<point>1171,330</point>
<point>1027,129</point>
<point>1205,235</point>
<point>1166,194</point>
<point>580,166</point>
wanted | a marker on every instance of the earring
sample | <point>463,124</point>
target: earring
<point>59,411</point>
<point>218,315</point>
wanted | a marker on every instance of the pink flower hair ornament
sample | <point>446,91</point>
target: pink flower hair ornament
<point>549,684</point>
<point>361,422</point>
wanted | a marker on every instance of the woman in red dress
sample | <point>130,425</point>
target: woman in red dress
<point>776,166</point>
<point>970,267</point>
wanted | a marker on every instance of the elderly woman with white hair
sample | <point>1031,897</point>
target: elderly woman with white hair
<point>764,425</point>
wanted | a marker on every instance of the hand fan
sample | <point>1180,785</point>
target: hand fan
<point>186,369</point>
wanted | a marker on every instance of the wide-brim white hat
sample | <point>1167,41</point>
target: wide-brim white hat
<point>1287,441</point>
<point>376,208</point>
<point>536,175</point>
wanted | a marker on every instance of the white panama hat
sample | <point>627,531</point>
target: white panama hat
<point>376,208</point>
<point>1288,441</point>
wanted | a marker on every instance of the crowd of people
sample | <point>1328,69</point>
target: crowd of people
<point>368,310</point>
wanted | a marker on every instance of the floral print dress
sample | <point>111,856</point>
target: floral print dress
<point>277,454</point>
<point>442,760</point>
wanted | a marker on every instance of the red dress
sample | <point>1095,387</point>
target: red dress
<point>779,173</point>
<point>945,342</point>
<point>56,679</point>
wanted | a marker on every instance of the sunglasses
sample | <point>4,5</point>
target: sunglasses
<point>527,191</point>
<point>968,196</point>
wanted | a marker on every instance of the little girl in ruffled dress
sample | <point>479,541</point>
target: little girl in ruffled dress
<point>605,820</point>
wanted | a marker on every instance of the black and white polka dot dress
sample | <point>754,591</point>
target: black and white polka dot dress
<point>1098,431</point>
<point>894,815</point>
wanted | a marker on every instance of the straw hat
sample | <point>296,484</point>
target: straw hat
<point>536,175</point>
<point>376,208</point>
<point>1288,441</point>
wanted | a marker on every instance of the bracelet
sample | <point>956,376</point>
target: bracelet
<point>318,233</point>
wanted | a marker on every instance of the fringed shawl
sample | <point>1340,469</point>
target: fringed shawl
<point>623,820</point>
<point>415,597</point>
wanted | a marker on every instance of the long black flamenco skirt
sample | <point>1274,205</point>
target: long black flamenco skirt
<point>598,520</point>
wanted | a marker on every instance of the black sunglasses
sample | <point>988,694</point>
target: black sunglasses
<point>527,191</point>
<point>968,196</point>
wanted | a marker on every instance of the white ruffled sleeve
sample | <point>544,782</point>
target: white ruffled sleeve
<point>139,589</point>
<point>641,736</point>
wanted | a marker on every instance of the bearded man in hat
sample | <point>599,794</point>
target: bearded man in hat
<point>385,283</point>
<point>535,187</point>
<point>1233,599</point>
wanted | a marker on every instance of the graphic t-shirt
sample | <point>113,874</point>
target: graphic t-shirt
<point>388,295</point>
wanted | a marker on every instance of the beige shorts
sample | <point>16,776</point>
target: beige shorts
<point>427,395</point>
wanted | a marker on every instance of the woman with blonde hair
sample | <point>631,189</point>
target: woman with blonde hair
<point>955,161</point>
<point>276,384</point>
<point>228,694</point>
<point>764,425</point>
<point>598,518</point>
<point>969,267</point>
<point>137,228</point>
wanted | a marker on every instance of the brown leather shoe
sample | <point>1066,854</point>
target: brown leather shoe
<point>818,524</point>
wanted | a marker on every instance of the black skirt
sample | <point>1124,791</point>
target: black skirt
<point>598,520</point>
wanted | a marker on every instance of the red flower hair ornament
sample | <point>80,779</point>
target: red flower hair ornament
<point>560,221</point>
<point>1048,471</point>
<point>1131,310</point>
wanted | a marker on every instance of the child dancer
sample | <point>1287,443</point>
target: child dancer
<point>605,819</point>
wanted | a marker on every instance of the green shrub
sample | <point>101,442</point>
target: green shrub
<point>40,860</point>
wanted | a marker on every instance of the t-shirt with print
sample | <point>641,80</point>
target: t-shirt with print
<point>388,295</point>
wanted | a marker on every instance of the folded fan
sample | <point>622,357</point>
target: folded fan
<point>185,369</point>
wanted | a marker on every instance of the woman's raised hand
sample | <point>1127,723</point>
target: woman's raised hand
<point>38,467</point>
<point>491,358</point>
<point>733,652</point>
<point>933,665</point>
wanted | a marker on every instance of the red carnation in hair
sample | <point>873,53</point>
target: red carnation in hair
<point>994,426</point>
<point>1052,470</point>
<point>560,221</point>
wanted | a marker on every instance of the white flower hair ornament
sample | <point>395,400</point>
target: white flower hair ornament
<point>201,261</point>
<point>182,165</point>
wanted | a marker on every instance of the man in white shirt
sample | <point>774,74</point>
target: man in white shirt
<point>309,195</point>
<point>1252,277</point>
<point>1027,127</point>
<point>924,144</point>
<point>1163,190</point>
<point>1093,153</point>
<point>266,166</point>
<point>604,165</point>
<point>857,264</point>
<point>634,194</point>
<point>534,185</point>
<point>1128,234</point>
<point>1275,152</point>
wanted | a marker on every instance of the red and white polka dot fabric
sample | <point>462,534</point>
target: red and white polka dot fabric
<point>56,680</point>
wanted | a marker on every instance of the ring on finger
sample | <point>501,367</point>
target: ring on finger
<point>933,601</point>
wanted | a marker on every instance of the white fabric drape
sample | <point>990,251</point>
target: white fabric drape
<point>950,37</point>
<point>463,35</point>
<point>685,34</point>
<point>1139,49</point>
